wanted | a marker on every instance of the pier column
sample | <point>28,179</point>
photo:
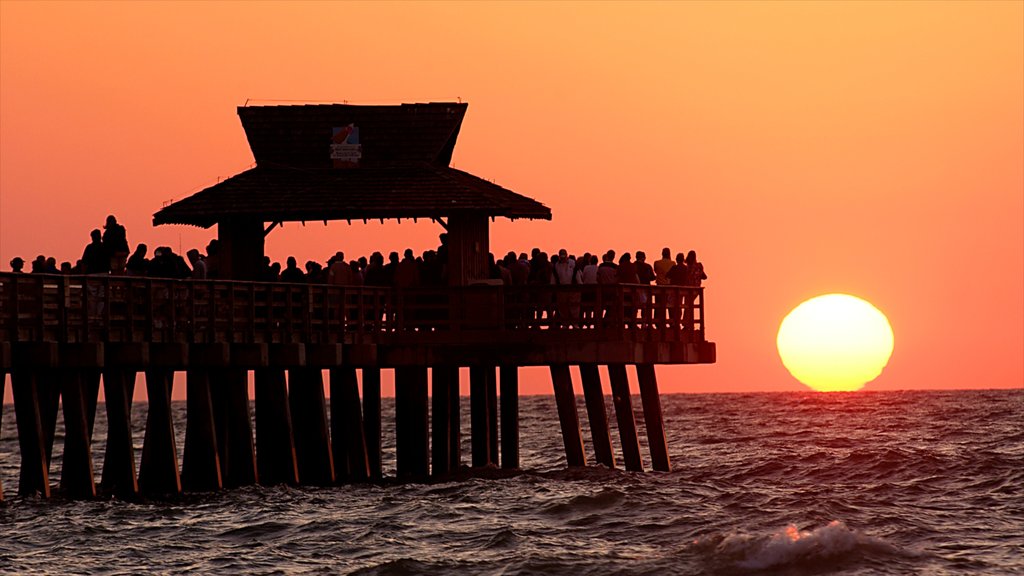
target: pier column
<point>35,475</point>
<point>624,416</point>
<point>76,479</point>
<point>597,414</point>
<point>412,428</point>
<point>200,464</point>
<point>454,423</point>
<point>48,388</point>
<point>440,418</point>
<point>371,420</point>
<point>481,378</point>
<point>3,389</point>
<point>276,460</point>
<point>158,471</point>
<point>653,417</point>
<point>238,451</point>
<point>309,421</point>
<point>565,399</point>
<point>509,416</point>
<point>119,457</point>
<point>347,437</point>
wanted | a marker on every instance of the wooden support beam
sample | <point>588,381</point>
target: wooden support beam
<point>158,470</point>
<point>480,415</point>
<point>454,423</point>
<point>371,420</point>
<point>91,391</point>
<point>440,419</point>
<point>276,460</point>
<point>200,464</point>
<point>48,388</point>
<point>235,441</point>
<point>565,399</point>
<point>653,417</point>
<point>509,416</point>
<point>3,390</point>
<point>35,475</point>
<point>624,416</point>
<point>412,428</point>
<point>597,414</point>
<point>309,422</point>
<point>119,476</point>
<point>492,415</point>
<point>347,435</point>
<point>76,479</point>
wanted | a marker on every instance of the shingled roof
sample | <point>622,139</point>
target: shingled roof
<point>402,170</point>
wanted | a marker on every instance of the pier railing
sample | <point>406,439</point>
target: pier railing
<point>73,309</point>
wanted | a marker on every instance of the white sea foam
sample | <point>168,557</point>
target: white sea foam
<point>789,546</point>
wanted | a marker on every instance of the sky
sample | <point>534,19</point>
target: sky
<point>874,149</point>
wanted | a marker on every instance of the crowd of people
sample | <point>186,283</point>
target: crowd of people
<point>108,253</point>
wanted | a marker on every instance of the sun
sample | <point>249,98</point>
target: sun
<point>835,342</point>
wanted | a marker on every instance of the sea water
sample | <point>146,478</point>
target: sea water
<point>778,483</point>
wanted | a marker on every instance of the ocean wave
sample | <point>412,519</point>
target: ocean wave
<point>790,549</point>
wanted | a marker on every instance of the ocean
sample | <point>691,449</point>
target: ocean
<point>774,483</point>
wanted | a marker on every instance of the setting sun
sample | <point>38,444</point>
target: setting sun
<point>835,342</point>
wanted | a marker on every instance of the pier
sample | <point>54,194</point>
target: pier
<point>62,338</point>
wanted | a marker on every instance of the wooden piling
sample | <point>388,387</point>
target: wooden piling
<point>158,470</point>
<point>371,420</point>
<point>347,434</point>
<point>597,414</point>
<point>34,474</point>
<point>3,390</point>
<point>200,463</point>
<point>234,427</point>
<point>454,423</point>
<point>309,421</point>
<point>119,457</point>
<point>276,460</point>
<point>565,399</point>
<point>440,419</point>
<point>412,428</point>
<point>48,388</point>
<point>480,416</point>
<point>653,417</point>
<point>492,415</point>
<point>624,417</point>
<point>76,479</point>
<point>509,375</point>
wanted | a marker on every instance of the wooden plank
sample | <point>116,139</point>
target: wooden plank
<point>624,417</point>
<point>565,399</point>
<point>597,414</point>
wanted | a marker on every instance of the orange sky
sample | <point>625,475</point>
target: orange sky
<point>803,148</point>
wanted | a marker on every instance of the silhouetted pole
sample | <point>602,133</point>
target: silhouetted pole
<point>119,458</point>
<point>479,416</point>
<point>624,416</point>
<point>34,474</point>
<point>509,375</point>
<point>440,419</point>
<point>158,470</point>
<point>412,428</point>
<point>565,399</point>
<point>76,477</point>
<point>276,460</point>
<point>597,414</point>
<point>454,423</point>
<point>371,420</point>
<point>309,421</point>
<point>347,437</point>
<point>200,463</point>
<point>653,417</point>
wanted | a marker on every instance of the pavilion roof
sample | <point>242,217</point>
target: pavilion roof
<point>402,169</point>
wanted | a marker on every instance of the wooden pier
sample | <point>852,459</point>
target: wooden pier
<point>63,337</point>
